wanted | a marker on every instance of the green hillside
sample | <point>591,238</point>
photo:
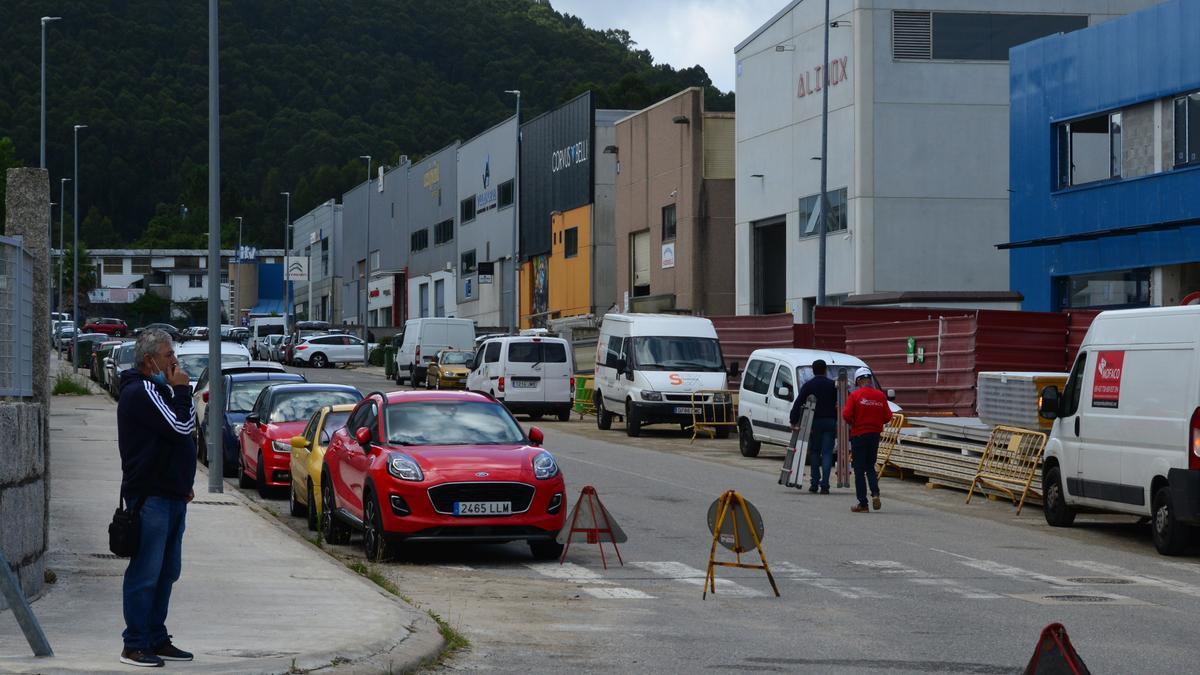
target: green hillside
<point>306,87</point>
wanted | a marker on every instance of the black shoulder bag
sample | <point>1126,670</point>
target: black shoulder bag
<point>126,529</point>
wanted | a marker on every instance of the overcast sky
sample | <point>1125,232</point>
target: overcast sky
<point>681,32</point>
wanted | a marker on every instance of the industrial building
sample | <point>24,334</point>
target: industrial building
<point>1106,163</point>
<point>316,236</point>
<point>430,216</point>
<point>918,143</point>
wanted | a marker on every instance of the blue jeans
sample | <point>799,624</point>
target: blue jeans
<point>152,571</point>
<point>820,449</point>
<point>865,449</point>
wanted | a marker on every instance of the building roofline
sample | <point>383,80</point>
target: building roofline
<point>663,101</point>
<point>892,297</point>
<point>488,130</point>
<point>172,252</point>
<point>763,28</point>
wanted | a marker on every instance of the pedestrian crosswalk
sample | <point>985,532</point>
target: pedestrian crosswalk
<point>950,575</point>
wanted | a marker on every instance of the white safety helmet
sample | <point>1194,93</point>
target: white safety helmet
<point>862,372</point>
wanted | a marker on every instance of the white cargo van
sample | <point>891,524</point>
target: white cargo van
<point>260,328</point>
<point>1126,434</point>
<point>424,338</point>
<point>531,375</point>
<point>648,366</point>
<point>770,383</point>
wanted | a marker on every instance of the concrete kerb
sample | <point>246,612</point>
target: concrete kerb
<point>423,634</point>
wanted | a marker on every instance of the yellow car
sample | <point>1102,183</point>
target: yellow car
<point>449,370</point>
<point>308,451</point>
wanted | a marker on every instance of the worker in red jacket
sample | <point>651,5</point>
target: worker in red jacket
<point>866,411</point>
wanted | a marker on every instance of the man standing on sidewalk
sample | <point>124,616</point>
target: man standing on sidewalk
<point>155,422</point>
<point>866,412</point>
<point>824,424</point>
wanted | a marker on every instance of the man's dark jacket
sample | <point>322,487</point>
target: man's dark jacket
<point>155,424</point>
<point>826,392</point>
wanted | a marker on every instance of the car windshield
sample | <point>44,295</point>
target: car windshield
<point>194,364</point>
<point>677,353</point>
<point>244,393</point>
<point>333,422</point>
<point>805,373</point>
<point>294,406</point>
<point>456,358</point>
<point>451,423</point>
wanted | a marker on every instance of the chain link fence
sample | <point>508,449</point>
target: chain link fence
<point>16,318</point>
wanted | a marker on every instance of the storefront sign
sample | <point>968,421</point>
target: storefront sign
<point>565,158</point>
<point>1106,386</point>
<point>811,81</point>
<point>668,255</point>
<point>431,176</point>
<point>485,271</point>
<point>487,198</point>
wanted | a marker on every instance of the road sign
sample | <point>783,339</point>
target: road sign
<point>485,271</point>
<point>738,526</point>
<point>591,522</point>
<point>297,268</point>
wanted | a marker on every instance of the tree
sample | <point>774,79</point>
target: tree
<point>149,308</point>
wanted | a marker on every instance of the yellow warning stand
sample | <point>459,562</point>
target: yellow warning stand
<point>887,443</point>
<point>728,506</point>
<point>1009,463</point>
<point>713,410</point>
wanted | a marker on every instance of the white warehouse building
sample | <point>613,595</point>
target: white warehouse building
<point>918,149</point>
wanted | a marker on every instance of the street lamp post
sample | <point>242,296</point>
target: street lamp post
<point>516,277</point>
<point>45,20</point>
<point>287,254</point>
<point>366,264</point>
<point>823,225</point>
<point>238,256</point>
<point>216,393</point>
<point>62,245</point>
<point>75,253</point>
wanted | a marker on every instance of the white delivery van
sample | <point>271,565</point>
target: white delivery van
<point>648,366</point>
<point>528,374</point>
<point>770,383</point>
<point>424,338</point>
<point>260,328</point>
<point>1126,434</point>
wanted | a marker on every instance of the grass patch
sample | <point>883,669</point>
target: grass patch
<point>69,385</point>
<point>455,640</point>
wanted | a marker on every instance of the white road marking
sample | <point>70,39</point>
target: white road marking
<point>610,593</point>
<point>677,571</point>
<point>1186,567</point>
<point>568,572</point>
<point>1135,577</point>
<point>1000,569</point>
<point>893,568</point>
<point>793,572</point>
<point>460,568</point>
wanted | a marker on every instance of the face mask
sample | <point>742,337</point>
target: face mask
<point>159,377</point>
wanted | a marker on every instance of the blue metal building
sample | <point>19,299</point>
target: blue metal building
<point>1105,163</point>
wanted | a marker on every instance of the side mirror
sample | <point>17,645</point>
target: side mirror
<point>734,369</point>
<point>253,418</point>
<point>299,442</point>
<point>363,435</point>
<point>891,394</point>
<point>204,397</point>
<point>784,392</point>
<point>621,365</point>
<point>536,437</point>
<point>1049,402</point>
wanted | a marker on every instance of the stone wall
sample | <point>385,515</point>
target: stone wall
<point>24,428</point>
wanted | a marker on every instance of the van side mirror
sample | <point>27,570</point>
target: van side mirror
<point>734,369</point>
<point>784,392</point>
<point>252,418</point>
<point>363,435</point>
<point>891,394</point>
<point>621,365</point>
<point>1049,403</point>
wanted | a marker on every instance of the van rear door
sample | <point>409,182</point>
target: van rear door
<point>523,369</point>
<point>557,370</point>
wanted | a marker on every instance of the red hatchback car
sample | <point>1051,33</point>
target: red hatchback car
<point>446,466</point>
<point>265,438</point>
<point>114,327</point>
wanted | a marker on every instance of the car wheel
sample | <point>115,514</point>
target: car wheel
<point>374,544</point>
<point>318,360</point>
<point>603,417</point>
<point>1054,503</point>
<point>1170,536</point>
<point>312,509</point>
<point>260,477</point>
<point>633,421</point>
<point>332,531</point>
<point>564,415</point>
<point>244,480</point>
<point>294,506</point>
<point>746,442</point>
<point>534,417</point>
<point>546,550</point>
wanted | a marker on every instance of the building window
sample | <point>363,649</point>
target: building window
<point>195,281</point>
<point>113,265</point>
<point>141,265</point>
<point>1089,150</point>
<point>971,36</point>
<point>505,193</point>
<point>439,297</point>
<point>324,258</point>
<point>1187,129</point>
<point>420,240</point>
<point>468,264</point>
<point>423,299</point>
<point>374,261</point>
<point>1125,288</point>
<point>466,210</point>
<point>443,232</point>
<point>810,217</point>
<point>571,241</point>
<point>668,222</point>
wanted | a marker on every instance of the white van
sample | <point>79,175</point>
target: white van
<point>648,366</point>
<point>193,357</point>
<point>260,328</point>
<point>770,383</point>
<point>1126,434</point>
<point>424,338</point>
<point>531,375</point>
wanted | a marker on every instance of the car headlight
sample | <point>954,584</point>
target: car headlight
<point>544,466</point>
<point>651,395</point>
<point>282,446</point>
<point>404,468</point>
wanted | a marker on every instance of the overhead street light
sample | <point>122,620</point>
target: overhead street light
<point>45,20</point>
<point>366,264</point>
<point>516,271</point>
<point>75,252</point>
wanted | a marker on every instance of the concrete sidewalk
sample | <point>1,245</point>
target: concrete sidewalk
<point>253,597</point>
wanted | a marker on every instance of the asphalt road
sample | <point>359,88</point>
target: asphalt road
<point>927,585</point>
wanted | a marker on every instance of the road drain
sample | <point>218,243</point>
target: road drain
<point>1078,598</point>
<point>106,556</point>
<point>1089,581</point>
<point>213,503</point>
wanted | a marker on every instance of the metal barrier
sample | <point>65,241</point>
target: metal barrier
<point>585,390</point>
<point>887,444</point>
<point>1009,463</point>
<point>714,411</point>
